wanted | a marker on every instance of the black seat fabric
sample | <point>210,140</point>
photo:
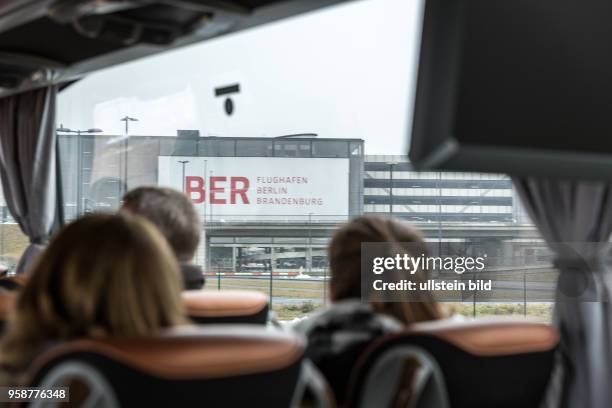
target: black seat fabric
<point>7,299</point>
<point>12,283</point>
<point>483,364</point>
<point>222,366</point>
<point>338,336</point>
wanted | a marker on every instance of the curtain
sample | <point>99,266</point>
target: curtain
<point>577,213</point>
<point>28,166</point>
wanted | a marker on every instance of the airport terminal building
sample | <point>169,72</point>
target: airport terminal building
<point>269,205</point>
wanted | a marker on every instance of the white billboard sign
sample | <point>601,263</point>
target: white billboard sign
<point>260,188</point>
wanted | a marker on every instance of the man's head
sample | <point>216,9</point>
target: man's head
<point>172,213</point>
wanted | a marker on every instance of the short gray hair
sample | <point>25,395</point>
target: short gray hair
<point>172,213</point>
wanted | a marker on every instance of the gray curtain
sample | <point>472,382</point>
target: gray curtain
<point>580,215</point>
<point>28,166</point>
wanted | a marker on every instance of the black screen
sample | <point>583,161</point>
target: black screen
<point>534,74</point>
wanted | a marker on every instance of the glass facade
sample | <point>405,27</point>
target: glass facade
<point>98,169</point>
<point>328,148</point>
<point>292,148</point>
<point>254,148</point>
<point>392,187</point>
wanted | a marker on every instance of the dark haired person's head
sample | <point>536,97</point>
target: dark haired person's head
<point>89,283</point>
<point>345,264</point>
<point>175,216</point>
<point>172,212</point>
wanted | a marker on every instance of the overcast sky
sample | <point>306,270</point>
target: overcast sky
<point>346,71</point>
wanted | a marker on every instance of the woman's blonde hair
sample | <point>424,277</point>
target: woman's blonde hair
<point>103,275</point>
<point>345,265</point>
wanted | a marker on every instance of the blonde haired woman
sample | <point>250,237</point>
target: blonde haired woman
<point>103,275</point>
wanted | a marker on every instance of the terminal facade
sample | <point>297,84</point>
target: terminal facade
<point>270,208</point>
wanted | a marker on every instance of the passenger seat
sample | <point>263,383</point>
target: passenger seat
<point>216,366</point>
<point>226,306</point>
<point>475,364</point>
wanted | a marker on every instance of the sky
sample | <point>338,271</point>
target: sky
<point>344,72</point>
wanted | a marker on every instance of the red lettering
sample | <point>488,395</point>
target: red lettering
<point>241,191</point>
<point>216,190</point>
<point>195,185</point>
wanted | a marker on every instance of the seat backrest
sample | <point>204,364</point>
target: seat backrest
<point>13,283</point>
<point>214,366</point>
<point>497,363</point>
<point>7,299</point>
<point>226,306</point>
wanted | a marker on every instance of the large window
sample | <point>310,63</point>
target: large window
<point>329,149</point>
<point>254,148</point>
<point>269,203</point>
<point>217,147</point>
<point>292,148</point>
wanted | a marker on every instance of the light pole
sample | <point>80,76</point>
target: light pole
<point>183,163</point>
<point>309,260</point>
<point>205,234</point>
<point>439,182</point>
<point>79,132</point>
<point>439,217</point>
<point>209,196</point>
<point>391,166</point>
<point>127,120</point>
<point>206,187</point>
<point>206,182</point>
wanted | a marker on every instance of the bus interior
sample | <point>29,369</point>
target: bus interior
<point>305,203</point>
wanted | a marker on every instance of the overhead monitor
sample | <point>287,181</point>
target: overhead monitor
<point>515,86</point>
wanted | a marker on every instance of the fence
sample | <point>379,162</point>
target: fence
<point>520,292</point>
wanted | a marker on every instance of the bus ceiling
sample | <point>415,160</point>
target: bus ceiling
<point>55,41</point>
